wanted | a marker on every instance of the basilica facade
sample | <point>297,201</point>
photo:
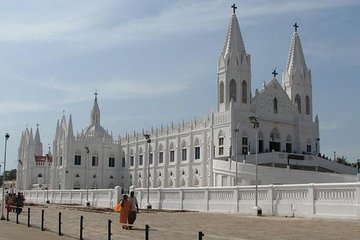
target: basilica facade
<point>183,154</point>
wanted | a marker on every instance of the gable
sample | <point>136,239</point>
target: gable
<point>264,101</point>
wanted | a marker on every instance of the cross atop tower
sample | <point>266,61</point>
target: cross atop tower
<point>234,8</point>
<point>274,73</point>
<point>296,26</point>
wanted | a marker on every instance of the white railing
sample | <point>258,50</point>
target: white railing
<point>96,197</point>
<point>333,200</point>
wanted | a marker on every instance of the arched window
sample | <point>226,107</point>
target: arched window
<point>307,105</point>
<point>221,92</point>
<point>39,175</point>
<point>275,105</point>
<point>232,90</point>
<point>183,151</point>
<point>244,91</point>
<point>298,103</point>
<point>274,135</point>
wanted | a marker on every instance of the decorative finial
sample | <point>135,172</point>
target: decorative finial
<point>274,73</point>
<point>234,8</point>
<point>96,94</point>
<point>37,125</point>
<point>296,26</point>
<point>63,113</point>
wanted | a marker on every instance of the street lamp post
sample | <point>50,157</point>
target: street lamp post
<point>7,135</point>
<point>255,120</point>
<point>86,182</point>
<point>47,177</point>
<point>236,153</point>
<point>148,141</point>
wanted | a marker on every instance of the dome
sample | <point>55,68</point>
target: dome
<point>95,130</point>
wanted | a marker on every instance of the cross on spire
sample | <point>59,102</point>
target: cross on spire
<point>296,26</point>
<point>274,73</point>
<point>234,8</point>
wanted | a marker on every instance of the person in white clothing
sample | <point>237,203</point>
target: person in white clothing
<point>134,211</point>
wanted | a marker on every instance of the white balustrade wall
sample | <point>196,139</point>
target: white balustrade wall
<point>96,197</point>
<point>335,200</point>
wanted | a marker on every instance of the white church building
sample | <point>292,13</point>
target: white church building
<point>219,150</point>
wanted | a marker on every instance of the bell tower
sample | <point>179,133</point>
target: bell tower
<point>234,70</point>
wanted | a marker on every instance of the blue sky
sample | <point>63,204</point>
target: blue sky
<point>154,62</point>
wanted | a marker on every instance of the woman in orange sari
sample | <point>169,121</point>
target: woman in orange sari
<point>125,211</point>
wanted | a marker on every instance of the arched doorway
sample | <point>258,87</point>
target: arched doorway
<point>274,143</point>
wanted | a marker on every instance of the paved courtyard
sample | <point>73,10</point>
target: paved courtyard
<point>173,225</point>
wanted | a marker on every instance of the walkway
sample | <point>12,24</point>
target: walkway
<point>173,225</point>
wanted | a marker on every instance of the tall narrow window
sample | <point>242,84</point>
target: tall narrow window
<point>161,157</point>
<point>221,146</point>
<point>172,155</point>
<point>111,162</point>
<point>244,91</point>
<point>150,158</point>
<point>308,148</point>
<point>141,159</point>
<point>221,92</point>
<point>60,160</point>
<point>183,154</point>
<point>131,161</point>
<point>123,162</point>
<point>298,103</point>
<point>197,153</point>
<point>275,105</point>
<point>77,161</point>
<point>95,161</point>
<point>307,104</point>
<point>232,90</point>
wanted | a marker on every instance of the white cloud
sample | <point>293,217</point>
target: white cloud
<point>88,29</point>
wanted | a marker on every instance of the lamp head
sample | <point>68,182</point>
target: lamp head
<point>254,120</point>
<point>147,137</point>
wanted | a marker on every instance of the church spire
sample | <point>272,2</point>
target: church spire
<point>70,131</point>
<point>234,70</point>
<point>296,59</point>
<point>37,142</point>
<point>297,78</point>
<point>234,44</point>
<point>95,113</point>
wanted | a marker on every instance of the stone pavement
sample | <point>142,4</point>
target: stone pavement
<point>173,225</point>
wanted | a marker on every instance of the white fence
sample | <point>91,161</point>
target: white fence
<point>96,197</point>
<point>336,200</point>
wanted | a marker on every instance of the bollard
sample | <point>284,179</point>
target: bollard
<point>28,217</point>
<point>81,227</point>
<point>109,229</point>
<point>60,234</point>
<point>17,214</point>
<point>201,235</point>
<point>147,227</point>
<point>7,214</point>
<point>42,220</point>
